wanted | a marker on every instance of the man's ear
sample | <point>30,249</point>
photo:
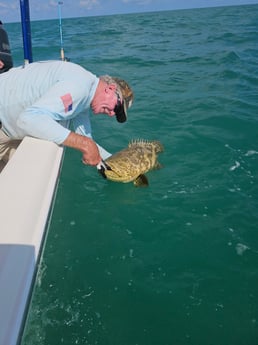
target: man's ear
<point>110,87</point>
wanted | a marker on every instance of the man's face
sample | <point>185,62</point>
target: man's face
<point>105,101</point>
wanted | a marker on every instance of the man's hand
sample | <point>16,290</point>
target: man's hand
<point>90,154</point>
<point>89,149</point>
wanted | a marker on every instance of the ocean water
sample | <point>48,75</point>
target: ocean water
<point>175,263</point>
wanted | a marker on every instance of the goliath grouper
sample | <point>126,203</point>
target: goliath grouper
<point>131,163</point>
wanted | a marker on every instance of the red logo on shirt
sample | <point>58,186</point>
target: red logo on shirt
<point>67,102</point>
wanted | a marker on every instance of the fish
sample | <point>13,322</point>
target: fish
<point>133,162</point>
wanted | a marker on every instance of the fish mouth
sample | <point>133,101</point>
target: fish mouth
<point>111,174</point>
<point>101,171</point>
<point>102,167</point>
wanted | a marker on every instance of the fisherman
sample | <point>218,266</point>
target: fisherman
<point>6,61</point>
<point>35,98</point>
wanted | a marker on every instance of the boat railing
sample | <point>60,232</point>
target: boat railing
<point>27,184</point>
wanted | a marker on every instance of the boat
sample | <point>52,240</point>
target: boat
<point>28,185</point>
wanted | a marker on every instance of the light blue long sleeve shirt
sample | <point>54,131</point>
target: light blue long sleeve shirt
<point>34,100</point>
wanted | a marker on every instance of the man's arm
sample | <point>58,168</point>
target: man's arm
<point>89,149</point>
<point>82,126</point>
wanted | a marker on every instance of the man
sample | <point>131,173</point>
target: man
<point>6,61</point>
<point>37,97</point>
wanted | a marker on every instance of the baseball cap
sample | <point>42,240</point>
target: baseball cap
<point>125,99</point>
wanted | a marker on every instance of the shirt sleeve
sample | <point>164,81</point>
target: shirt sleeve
<point>82,124</point>
<point>41,125</point>
<point>103,153</point>
<point>63,101</point>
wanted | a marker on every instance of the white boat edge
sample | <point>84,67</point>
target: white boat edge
<point>27,187</point>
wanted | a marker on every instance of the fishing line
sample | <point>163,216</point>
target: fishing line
<point>62,55</point>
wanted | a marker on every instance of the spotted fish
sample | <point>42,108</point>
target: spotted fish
<point>131,163</point>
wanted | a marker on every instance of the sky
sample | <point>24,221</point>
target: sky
<point>49,9</point>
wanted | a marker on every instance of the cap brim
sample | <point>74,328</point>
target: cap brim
<point>121,116</point>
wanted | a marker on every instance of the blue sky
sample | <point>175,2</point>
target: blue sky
<point>48,9</point>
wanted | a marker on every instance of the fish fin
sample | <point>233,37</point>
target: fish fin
<point>158,147</point>
<point>158,166</point>
<point>141,181</point>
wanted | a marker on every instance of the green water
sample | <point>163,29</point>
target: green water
<point>175,263</point>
